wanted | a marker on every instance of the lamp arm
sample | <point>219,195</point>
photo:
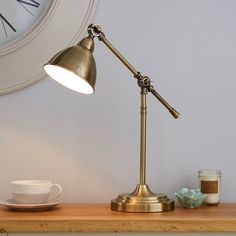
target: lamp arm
<point>94,30</point>
<point>172,111</point>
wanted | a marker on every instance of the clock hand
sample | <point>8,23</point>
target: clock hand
<point>3,19</point>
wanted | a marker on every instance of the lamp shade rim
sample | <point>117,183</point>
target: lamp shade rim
<point>65,68</point>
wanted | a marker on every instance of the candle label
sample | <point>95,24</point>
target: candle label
<point>209,187</point>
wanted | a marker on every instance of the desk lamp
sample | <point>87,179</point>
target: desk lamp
<point>75,68</point>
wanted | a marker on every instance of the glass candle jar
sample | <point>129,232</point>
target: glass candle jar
<point>209,181</point>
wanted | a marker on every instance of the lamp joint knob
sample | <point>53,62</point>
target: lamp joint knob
<point>143,81</point>
<point>95,30</point>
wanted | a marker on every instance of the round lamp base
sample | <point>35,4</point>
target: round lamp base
<point>142,200</point>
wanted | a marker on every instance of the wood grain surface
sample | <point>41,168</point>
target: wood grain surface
<point>99,218</point>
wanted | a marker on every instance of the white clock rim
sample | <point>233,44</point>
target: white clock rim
<point>32,32</point>
<point>37,76</point>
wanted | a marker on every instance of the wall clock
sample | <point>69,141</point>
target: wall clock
<point>27,27</point>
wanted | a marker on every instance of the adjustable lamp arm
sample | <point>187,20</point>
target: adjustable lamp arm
<point>94,30</point>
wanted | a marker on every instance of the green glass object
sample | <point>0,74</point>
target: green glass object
<point>190,198</point>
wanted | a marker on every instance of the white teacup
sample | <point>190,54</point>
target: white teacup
<point>34,191</point>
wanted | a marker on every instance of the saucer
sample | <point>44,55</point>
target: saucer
<point>12,205</point>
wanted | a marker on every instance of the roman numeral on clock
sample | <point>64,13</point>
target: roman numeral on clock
<point>5,22</point>
<point>31,3</point>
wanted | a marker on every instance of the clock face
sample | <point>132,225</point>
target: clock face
<point>17,17</point>
<point>27,27</point>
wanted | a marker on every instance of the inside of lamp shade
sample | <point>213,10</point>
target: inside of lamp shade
<point>68,79</point>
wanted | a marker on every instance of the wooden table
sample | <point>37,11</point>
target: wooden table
<point>99,218</point>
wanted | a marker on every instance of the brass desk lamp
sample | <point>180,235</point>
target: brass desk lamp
<point>75,68</point>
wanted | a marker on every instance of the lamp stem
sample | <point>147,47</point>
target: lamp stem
<point>143,128</point>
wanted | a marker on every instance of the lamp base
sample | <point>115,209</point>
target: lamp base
<point>142,200</point>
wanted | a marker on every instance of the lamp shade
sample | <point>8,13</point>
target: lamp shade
<point>75,67</point>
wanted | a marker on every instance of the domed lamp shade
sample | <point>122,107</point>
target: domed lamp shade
<point>75,67</point>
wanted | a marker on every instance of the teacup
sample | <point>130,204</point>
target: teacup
<point>34,191</point>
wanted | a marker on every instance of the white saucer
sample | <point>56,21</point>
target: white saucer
<point>11,204</point>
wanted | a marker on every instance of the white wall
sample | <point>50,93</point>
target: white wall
<point>90,144</point>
